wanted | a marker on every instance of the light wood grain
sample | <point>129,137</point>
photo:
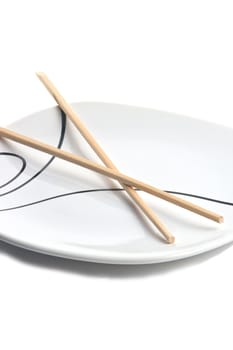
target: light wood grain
<point>25,140</point>
<point>68,110</point>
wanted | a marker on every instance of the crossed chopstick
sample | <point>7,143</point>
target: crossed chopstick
<point>128,183</point>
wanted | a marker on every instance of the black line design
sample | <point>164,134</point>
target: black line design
<point>61,139</point>
<point>201,197</point>
<point>60,143</point>
<point>108,190</point>
<point>20,171</point>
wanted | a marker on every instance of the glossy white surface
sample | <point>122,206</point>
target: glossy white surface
<point>172,152</point>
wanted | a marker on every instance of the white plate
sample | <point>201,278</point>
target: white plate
<point>172,152</point>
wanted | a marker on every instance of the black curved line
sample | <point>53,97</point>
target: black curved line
<point>61,139</point>
<point>20,171</point>
<point>110,190</point>
<point>201,197</point>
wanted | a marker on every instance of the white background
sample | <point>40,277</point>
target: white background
<point>171,55</point>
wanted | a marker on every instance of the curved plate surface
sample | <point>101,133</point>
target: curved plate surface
<point>51,206</point>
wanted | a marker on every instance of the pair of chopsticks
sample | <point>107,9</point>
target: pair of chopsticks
<point>128,183</point>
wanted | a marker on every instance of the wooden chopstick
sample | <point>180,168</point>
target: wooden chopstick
<point>68,110</point>
<point>43,147</point>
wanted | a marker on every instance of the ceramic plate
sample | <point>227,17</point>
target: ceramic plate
<point>54,207</point>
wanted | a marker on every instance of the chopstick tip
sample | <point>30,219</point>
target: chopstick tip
<point>221,219</point>
<point>171,239</point>
<point>40,74</point>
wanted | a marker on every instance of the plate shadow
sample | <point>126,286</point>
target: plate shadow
<point>104,270</point>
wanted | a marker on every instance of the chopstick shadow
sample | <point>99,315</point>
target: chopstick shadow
<point>104,270</point>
